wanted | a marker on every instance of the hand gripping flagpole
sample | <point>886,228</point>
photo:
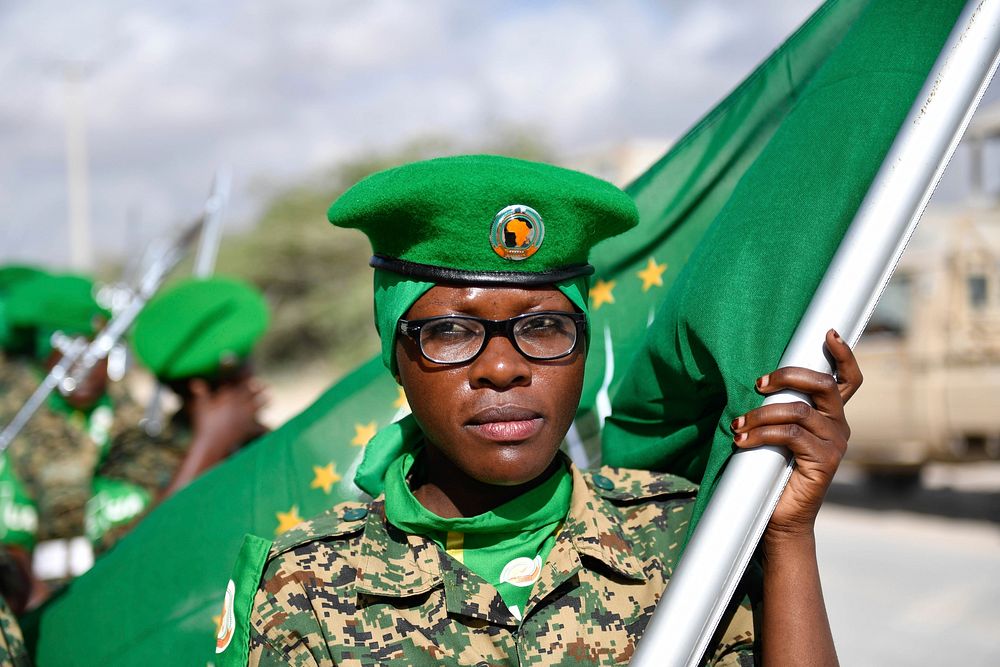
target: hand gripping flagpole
<point>735,518</point>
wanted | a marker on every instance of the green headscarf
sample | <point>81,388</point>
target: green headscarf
<point>505,546</point>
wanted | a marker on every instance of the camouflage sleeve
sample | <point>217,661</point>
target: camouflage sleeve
<point>128,412</point>
<point>734,643</point>
<point>12,649</point>
<point>283,628</point>
<point>56,465</point>
<point>136,470</point>
<point>144,460</point>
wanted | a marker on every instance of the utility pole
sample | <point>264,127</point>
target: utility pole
<point>77,177</point>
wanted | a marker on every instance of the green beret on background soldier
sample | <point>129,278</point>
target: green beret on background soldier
<point>484,544</point>
<point>196,338</point>
<point>14,342</point>
<point>55,454</point>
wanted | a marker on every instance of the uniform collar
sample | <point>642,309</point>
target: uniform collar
<point>398,565</point>
<point>594,526</point>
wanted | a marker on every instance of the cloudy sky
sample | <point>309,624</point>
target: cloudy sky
<point>172,89</point>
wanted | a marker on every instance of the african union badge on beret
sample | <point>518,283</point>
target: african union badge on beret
<point>517,232</point>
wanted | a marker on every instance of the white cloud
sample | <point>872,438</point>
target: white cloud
<point>174,88</point>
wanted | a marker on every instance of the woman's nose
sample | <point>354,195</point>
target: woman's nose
<point>500,366</point>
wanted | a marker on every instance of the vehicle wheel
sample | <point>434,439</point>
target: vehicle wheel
<point>895,480</point>
<point>993,448</point>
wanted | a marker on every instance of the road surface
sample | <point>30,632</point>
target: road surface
<point>914,578</point>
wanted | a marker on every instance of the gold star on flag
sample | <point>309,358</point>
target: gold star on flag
<point>217,621</point>
<point>601,294</point>
<point>325,478</point>
<point>652,275</point>
<point>288,520</point>
<point>363,433</point>
<point>400,401</point>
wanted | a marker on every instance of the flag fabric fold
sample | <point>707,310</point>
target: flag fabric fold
<point>736,304</point>
<point>738,221</point>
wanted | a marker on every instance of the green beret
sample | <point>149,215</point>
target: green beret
<point>479,219</point>
<point>54,303</point>
<point>199,327</point>
<point>484,219</point>
<point>16,273</point>
<point>11,339</point>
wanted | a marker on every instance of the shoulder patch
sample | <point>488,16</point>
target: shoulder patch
<point>232,637</point>
<point>339,521</point>
<point>626,484</point>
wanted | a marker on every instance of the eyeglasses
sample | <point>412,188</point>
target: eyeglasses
<point>456,339</point>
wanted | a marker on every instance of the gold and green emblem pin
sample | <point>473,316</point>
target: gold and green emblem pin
<point>517,232</point>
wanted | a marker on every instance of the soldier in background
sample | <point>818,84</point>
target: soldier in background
<point>196,338</point>
<point>18,517</point>
<point>55,454</point>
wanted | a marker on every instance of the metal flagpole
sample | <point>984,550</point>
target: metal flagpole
<point>735,518</point>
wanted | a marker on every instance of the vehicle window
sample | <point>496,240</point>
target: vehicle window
<point>977,291</point>
<point>892,314</point>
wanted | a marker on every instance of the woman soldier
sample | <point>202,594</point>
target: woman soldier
<point>484,545</point>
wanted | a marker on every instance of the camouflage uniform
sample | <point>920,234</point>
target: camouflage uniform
<point>12,649</point>
<point>348,588</point>
<point>142,465</point>
<point>17,382</point>
<point>55,457</point>
<point>18,517</point>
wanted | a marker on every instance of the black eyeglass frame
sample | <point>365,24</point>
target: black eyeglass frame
<point>505,328</point>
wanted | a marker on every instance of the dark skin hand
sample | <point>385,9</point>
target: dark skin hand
<point>91,388</point>
<point>796,629</point>
<point>468,471</point>
<point>222,419</point>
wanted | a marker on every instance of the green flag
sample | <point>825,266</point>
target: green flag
<point>735,306</point>
<point>153,598</point>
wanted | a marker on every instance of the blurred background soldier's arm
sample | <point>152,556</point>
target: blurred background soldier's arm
<point>196,339</point>
<point>56,452</point>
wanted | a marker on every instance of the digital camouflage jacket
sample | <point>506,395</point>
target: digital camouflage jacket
<point>55,455</point>
<point>136,470</point>
<point>347,588</point>
<point>12,649</point>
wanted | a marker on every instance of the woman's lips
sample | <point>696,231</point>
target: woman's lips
<point>508,431</point>
<point>506,423</point>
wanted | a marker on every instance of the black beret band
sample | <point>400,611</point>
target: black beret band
<point>437,274</point>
